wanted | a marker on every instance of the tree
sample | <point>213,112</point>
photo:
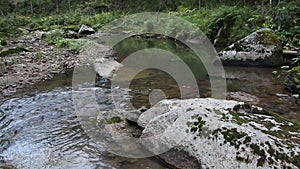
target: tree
<point>57,5</point>
<point>69,5</point>
<point>31,7</point>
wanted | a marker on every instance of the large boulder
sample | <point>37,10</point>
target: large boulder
<point>211,133</point>
<point>261,48</point>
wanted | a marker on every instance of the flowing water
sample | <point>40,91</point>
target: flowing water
<point>39,129</point>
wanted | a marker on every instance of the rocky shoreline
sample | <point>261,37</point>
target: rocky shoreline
<point>38,62</point>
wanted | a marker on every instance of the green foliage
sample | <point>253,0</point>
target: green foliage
<point>71,44</point>
<point>295,71</point>
<point>54,36</point>
<point>287,21</point>
<point>9,25</point>
<point>229,24</point>
<point>3,42</point>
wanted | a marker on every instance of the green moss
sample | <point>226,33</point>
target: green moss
<point>242,159</point>
<point>231,136</point>
<point>218,112</point>
<point>197,125</point>
<point>268,37</point>
<point>247,140</point>
<point>12,50</point>
<point>238,47</point>
<point>246,107</point>
<point>113,120</point>
<point>261,161</point>
<point>238,118</point>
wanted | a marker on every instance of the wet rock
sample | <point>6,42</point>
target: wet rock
<point>292,81</point>
<point>261,48</point>
<point>86,30</point>
<point>220,134</point>
<point>242,97</point>
<point>105,67</point>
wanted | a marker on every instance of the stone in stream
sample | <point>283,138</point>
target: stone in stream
<point>86,30</point>
<point>242,97</point>
<point>261,48</point>
<point>211,133</point>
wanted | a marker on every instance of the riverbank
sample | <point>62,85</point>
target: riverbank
<point>38,61</point>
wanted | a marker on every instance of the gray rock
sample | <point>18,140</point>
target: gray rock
<point>261,48</point>
<point>242,97</point>
<point>86,30</point>
<point>105,67</point>
<point>211,133</point>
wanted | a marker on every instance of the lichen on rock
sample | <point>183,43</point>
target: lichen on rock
<point>222,133</point>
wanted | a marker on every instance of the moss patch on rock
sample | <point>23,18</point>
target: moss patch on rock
<point>197,125</point>
<point>113,120</point>
<point>268,37</point>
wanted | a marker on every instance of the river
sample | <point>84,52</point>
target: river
<point>39,129</point>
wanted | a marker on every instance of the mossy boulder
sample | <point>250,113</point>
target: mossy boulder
<point>261,48</point>
<point>292,81</point>
<point>211,133</point>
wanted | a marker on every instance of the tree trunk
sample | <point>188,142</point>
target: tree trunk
<point>263,8</point>
<point>199,4</point>
<point>69,4</point>
<point>31,7</point>
<point>57,7</point>
<point>39,3</point>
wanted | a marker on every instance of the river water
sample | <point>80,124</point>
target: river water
<point>39,129</point>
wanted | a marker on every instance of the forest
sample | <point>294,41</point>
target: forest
<point>240,17</point>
